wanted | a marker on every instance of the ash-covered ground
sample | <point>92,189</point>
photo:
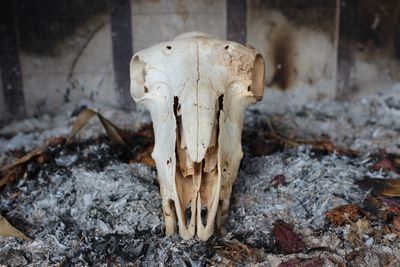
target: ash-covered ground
<point>87,205</point>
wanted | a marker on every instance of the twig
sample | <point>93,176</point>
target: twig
<point>308,213</point>
<point>366,195</point>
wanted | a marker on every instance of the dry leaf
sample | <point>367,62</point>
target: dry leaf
<point>396,225</point>
<point>148,160</point>
<point>146,131</point>
<point>7,176</point>
<point>7,230</point>
<point>234,251</point>
<point>27,157</point>
<point>358,230</point>
<point>324,144</point>
<point>56,141</point>
<point>344,214</point>
<point>43,158</point>
<point>373,205</point>
<point>385,187</point>
<point>277,180</point>
<point>259,147</point>
<point>391,205</point>
<point>13,171</point>
<point>384,164</point>
<point>286,240</point>
<point>83,118</point>
<point>396,163</point>
<point>114,133</point>
<point>143,155</point>
<point>388,210</point>
<point>313,262</point>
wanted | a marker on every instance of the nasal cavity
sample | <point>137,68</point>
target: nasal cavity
<point>177,106</point>
<point>204,213</point>
<point>221,102</point>
<point>188,214</point>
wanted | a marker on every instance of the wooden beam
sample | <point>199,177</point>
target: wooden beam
<point>347,38</point>
<point>122,48</point>
<point>236,13</point>
<point>9,60</point>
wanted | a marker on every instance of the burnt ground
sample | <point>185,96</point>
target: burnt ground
<point>90,203</point>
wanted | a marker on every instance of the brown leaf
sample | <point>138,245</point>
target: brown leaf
<point>114,133</point>
<point>148,160</point>
<point>326,145</point>
<point>385,208</point>
<point>143,155</point>
<point>373,205</point>
<point>7,230</point>
<point>15,170</point>
<point>43,158</point>
<point>391,205</point>
<point>385,187</point>
<point>396,225</point>
<point>396,163</point>
<point>83,118</point>
<point>146,131</point>
<point>323,144</point>
<point>234,251</point>
<point>313,262</point>
<point>384,164</point>
<point>56,141</point>
<point>277,180</point>
<point>27,157</point>
<point>18,153</point>
<point>261,147</point>
<point>344,214</point>
<point>391,213</point>
<point>286,240</point>
<point>357,231</point>
<point>8,177</point>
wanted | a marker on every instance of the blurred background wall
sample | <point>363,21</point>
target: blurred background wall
<point>55,52</point>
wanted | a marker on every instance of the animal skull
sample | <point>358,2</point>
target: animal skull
<point>197,89</point>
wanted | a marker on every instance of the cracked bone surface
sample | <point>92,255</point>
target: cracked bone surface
<point>197,89</point>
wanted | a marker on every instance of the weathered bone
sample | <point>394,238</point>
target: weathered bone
<point>196,89</point>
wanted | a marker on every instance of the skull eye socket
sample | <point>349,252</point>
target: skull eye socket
<point>257,85</point>
<point>137,69</point>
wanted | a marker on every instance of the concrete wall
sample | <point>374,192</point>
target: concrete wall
<point>300,61</point>
<point>81,70</point>
<point>2,107</point>
<point>297,39</point>
<point>163,20</point>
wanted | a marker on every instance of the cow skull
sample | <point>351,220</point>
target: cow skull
<point>197,89</point>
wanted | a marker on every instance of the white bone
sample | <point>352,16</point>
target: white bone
<point>197,89</point>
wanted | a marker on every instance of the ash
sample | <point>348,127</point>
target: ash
<point>90,206</point>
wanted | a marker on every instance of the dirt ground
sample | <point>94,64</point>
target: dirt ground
<point>91,203</point>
